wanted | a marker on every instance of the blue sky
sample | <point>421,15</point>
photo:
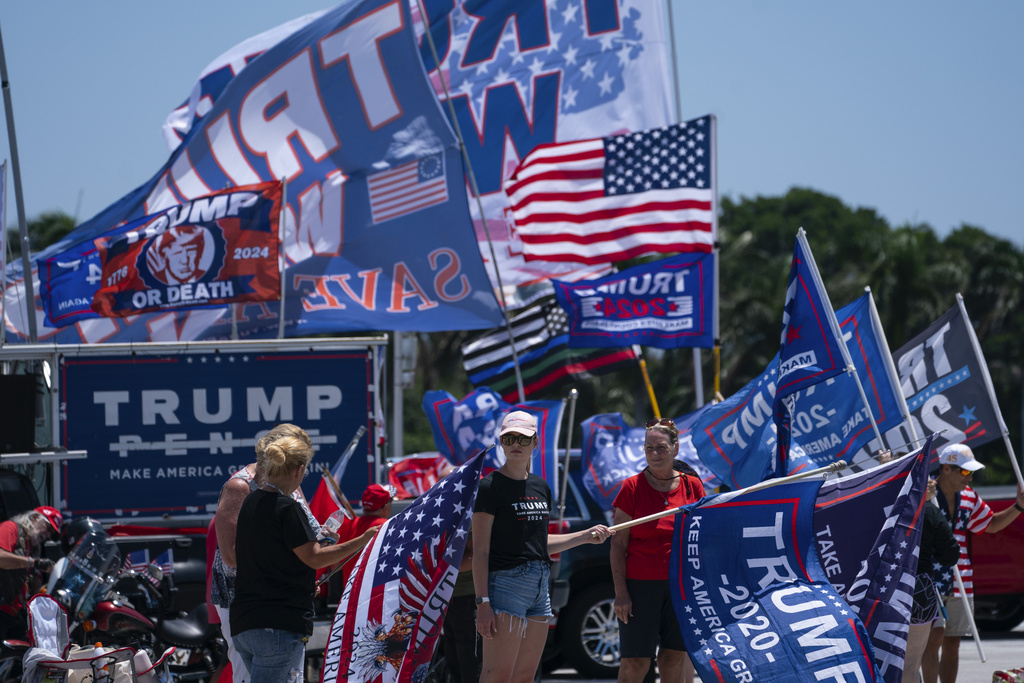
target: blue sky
<point>912,109</point>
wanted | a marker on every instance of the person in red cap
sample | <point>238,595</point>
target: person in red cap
<point>376,501</point>
<point>22,569</point>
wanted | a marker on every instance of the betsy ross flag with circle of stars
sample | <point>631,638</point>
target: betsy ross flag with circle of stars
<point>615,198</point>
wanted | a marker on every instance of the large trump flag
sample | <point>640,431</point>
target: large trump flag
<point>377,233</point>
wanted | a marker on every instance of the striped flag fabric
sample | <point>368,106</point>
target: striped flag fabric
<point>407,188</point>
<point>165,561</point>
<point>541,334</point>
<point>391,611</point>
<point>615,198</point>
<point>136,560</point>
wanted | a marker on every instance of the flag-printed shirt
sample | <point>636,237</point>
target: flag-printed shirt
<point>974,515</point>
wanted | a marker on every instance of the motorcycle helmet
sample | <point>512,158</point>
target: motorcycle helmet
<point>52,516</point>
<point>73,532</point>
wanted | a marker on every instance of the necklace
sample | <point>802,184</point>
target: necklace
<point>276,489</point>
<point>664,494</point>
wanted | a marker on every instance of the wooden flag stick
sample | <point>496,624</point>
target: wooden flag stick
<point>650,388</point>
<point>834,467</point>
<point>337,490</point>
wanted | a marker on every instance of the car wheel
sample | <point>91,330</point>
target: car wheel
<point>590,640</point>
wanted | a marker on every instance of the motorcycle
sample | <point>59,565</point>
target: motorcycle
<point>95,591</point>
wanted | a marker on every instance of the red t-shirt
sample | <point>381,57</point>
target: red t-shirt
<point>9,541</point>
<point>354,528</point>
<point>650,544</point>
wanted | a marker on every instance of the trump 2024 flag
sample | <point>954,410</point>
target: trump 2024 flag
<point>390,615</point>
<point>610,199</point>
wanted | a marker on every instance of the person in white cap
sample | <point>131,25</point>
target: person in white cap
<point>965,511</point>
<point>511,561</point>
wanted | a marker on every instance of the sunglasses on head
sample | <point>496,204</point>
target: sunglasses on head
<point>510,439</point>
<point>664,422</point>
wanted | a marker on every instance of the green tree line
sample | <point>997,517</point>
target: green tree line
<point>913,273</point>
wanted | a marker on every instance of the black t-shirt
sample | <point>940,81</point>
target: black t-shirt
<point>521,510</point>
<point>274,588</point>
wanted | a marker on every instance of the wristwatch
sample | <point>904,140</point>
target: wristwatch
<point>1019,508</point>
<point>481,601</point>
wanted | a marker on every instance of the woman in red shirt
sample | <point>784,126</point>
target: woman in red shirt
<point>640,556</point>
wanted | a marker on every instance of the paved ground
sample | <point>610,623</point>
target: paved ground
<point>1003,651</point>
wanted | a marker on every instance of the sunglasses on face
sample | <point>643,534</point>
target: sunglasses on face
<point>510,439</point>
<point>664,422</point>
<point>965,473</point>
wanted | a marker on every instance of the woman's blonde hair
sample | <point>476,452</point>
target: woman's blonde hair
<point>285,453</point>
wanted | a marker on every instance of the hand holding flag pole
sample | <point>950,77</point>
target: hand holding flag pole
<point>837,466</point>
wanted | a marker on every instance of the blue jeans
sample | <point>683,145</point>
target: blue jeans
<point>521,591</point>
<point>272,655</point>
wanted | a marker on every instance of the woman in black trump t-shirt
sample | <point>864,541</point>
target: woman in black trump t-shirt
<point>277,554</point>
<point>511,566</point>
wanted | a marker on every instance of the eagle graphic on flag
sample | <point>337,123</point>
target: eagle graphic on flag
<point>390,614</point>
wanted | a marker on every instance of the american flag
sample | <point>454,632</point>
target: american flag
<point>136,560</point>
<point>165,561</point>
<point>407,188</point>
<point>611,199</point>
<point>393,606</point>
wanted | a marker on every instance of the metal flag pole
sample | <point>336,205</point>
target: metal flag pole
<point>282,263</point>
<point>715,253</point>
<point>990,388</point>
<point>573,395</point>
<point>850,369</point>
<point>26,260</point>
<point>425,18</point>
<point>837,466</point>
<point>4,252</point>
<point>890,370</point>
<point>647,381</point>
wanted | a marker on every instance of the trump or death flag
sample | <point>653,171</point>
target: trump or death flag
<point>390,614</point>
<point>737,436</point>
<point>463,428</point>
<point>377,234</point>
<point>752,599</point>
<point>217,249</point>
<point>666,304</point>
<point>611,199</point>
<point>868,532</point>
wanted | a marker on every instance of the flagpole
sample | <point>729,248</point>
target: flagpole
<point>425,18</point>
<point>837,466</point>
<point>890,369</point>
<point>573,395</point>
<point>282,264</point>
<point>990,388</point>
<point>647,381</point>
<point>850,369</point>
<point>716,250</point>
<point>19,201</point>
<point>337,489</point>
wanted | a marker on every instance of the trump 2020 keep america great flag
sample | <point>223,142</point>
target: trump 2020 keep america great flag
<point>390,615</point>
<point>610,199</point>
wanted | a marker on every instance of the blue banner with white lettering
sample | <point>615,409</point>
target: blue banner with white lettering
<point>164,432</point>
<point>377,232</point>
<point>868,530</point>
<point>464,428</point>
<point>735,438</point>
<point>752,600</point>
<point>667,304</point>
<point>613,451</point>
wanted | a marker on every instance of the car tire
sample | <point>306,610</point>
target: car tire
<point>590,633</point>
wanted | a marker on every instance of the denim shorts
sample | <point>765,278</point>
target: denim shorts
<point>272,655</point>
<point>522,591</point>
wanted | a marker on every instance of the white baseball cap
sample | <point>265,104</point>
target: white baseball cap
<point>959,455</point>
<point>520,422</point>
